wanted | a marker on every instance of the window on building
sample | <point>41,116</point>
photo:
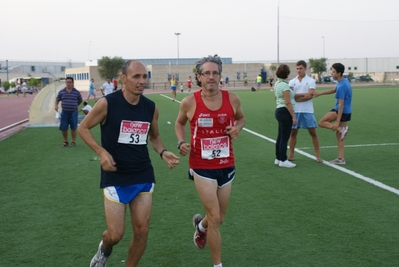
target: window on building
<point>62,68</point>
<point>397,67</point>
<point>349,68</point>
<point>355,68</point>
<point>32,68</point>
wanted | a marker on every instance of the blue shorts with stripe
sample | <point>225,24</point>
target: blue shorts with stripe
<point>222,176</point>
<point>305,121</point>
<point>125,194</point>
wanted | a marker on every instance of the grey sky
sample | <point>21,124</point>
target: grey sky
<point>79,30</point>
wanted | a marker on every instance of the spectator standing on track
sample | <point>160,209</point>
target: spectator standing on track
<point>92,90</point>
<point>304,88</point>
<point>284,114</point>
<point>107,87</point>
<point>70,100</point>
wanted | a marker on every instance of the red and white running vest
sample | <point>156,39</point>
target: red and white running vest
<point>211,147</point>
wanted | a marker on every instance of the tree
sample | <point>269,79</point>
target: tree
<point>318,66</point>
<point>33,82</point>
<point>110,67</point>
<point>6,85</point>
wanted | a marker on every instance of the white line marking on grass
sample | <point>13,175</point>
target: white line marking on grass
<point>12,125</point>
<point>360,145</point>
<point>354,174</point>
<point>170,98</point>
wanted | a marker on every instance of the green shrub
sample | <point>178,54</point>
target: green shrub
<point>6,85</point>
<point>33,82</point>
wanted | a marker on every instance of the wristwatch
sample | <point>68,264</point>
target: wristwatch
<point>180,143</point>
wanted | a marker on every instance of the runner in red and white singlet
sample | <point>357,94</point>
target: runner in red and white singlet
<point>189,83</point>
<point>216,118</point>
<point>211,147</point>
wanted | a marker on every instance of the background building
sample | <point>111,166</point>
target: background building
<point>161,69</point>
<point>12,69</point>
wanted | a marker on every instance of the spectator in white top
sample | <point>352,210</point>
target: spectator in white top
<point>24,87</point>
<point>107,87</point>
<point>86,108</point>
<point>17,87</point>
<point>304,88</point>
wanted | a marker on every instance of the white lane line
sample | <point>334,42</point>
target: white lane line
<point>170,98</point>
<point>340,168</point>
<point>12,125</point>
<point>360,145</point>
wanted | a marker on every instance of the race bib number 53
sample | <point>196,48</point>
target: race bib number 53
<point>134,132</point>
<point>215,147</point>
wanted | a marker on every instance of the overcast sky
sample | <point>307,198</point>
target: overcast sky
<point>245,30</point>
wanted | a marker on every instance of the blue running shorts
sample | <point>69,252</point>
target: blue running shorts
<point>125,194</point>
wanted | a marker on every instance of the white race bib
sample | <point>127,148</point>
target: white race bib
<point>133,132</point>
<point>215,147</point>
<point>205,122</point>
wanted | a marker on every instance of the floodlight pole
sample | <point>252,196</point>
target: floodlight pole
<point>278,34</point>
<point>177,35</point>
<point>7,68</point>
<point>324,47</point>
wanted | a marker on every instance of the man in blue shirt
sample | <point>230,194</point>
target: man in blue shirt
<point>92,90</point>
<point>70,100</point>
<point>342,111</point>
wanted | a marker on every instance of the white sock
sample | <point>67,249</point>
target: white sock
<point>217,265</point>
<point>200,227</point>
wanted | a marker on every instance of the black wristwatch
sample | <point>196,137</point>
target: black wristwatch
<point>180,143</point>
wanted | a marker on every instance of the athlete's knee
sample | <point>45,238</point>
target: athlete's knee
<point>214,220</point>
<point>112,237</point>
<point>140,234</point>
<point>141,228</point>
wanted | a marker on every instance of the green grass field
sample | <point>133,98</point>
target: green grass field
<point>311,215</point>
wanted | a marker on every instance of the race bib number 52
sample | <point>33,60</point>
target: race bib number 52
<point>134,132</point>
<point>215,147</point>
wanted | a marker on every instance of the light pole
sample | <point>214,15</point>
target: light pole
<point>177,35</point>
<point>7,68</point>
<point>278,33</point>
<point>324,47</point>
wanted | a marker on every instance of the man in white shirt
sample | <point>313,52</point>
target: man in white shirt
<point>304,88</point>
<point>24,88</point>
<point>86,108</point>
<point>17,87</point>
<point>107,87</point>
